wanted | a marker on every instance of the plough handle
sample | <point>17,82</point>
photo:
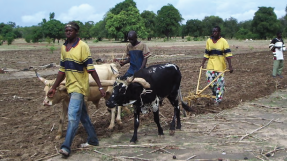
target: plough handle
<point>197,90</point>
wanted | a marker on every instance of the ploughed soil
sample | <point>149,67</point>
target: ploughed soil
<point>250,123</point>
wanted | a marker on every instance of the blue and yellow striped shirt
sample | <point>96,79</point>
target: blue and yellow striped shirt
<point>216,53</point>
<point>76,63</point>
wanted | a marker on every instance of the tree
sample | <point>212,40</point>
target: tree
<point>52,16</point>
<point>209,22</point>
<point>230,27</point>
<point>12,24</point>
<point>99,31</point>
<point>265,23</point>
<point>149,18</point>
<point>119,25</point>
<point>245,25</point>
<point>123,6</point>
<point>194,27</point>
<point>85,30</point>
<point>168,20</point>
<point>6,32</point>
<point>36,34</point>
<point>283,21</point>
<point>242,34</point>
<point>182,31</point>
<point>54,29</point>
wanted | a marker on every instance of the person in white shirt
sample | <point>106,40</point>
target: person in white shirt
<point>277,46</point>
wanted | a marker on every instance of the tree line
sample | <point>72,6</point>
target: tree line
<point>125,16</point>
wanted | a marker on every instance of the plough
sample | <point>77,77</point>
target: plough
<point>193,96</point>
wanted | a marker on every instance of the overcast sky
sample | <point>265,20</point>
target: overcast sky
<point>31,12</point>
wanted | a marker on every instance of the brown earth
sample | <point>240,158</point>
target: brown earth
<point>28,129</point>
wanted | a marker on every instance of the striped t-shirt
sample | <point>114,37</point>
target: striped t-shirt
<point>76,62</point>
<point>216,53</point>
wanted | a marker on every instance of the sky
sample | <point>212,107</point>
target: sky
<point>31,12</point>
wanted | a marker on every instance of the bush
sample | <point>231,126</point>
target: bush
<point>188,38</point>
<point>34,39</point>
<point>196,39</point>
<point>28,39</point>
<point>48,40</point>
<point>52,49</point>
<point>1,40</point>
<point>165,39</point>
<point>96,40</point>
<point>10,40</point>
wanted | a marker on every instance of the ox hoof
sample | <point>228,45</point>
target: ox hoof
<point>171,132</point>
<point>132,143</point>
<point>119,122</point>
<point>110,128</point>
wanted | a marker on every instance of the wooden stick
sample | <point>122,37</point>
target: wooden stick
<point>52,127</point>
<point>56,149</point>
<point>34,155</point>
<point>212,129</point>
<point>134,158</point>
<point>198,81</point>
<point>164,118</point>
<point>95,112</point>
<point>273,151</point>
<point>166,150</point>
<point>255,130</point>
<point>258,157</point>
<point>45,158</point>
<point>191,157</point>
<point>103,153</point>
<point>132,146</point>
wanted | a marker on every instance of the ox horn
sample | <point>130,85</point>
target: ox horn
<point>114,71</point>
<point>142,81</point>
<point>41,78</point>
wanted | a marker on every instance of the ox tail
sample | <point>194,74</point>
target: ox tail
<point>184,104</point>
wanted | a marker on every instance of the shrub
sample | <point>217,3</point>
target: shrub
<point>165,39</point>
<point>196,39</point>
<point>10,40</point>
<point>188,38</point>
<point>52,49</point>
<point>96,40</point>
<point>48,40</point>
<point>1,40</point>
<point>28,39</point>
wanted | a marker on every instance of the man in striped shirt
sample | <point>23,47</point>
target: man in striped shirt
<point>76,65</point>
<point>277,46</point>
<point>216,52</point>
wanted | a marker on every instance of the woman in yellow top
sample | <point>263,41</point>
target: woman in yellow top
<point>216,52</point>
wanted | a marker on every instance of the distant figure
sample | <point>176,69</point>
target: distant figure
<point>137,54</point>
<point>277,46</point>
<point>76,65</point>
<point>216,52</point>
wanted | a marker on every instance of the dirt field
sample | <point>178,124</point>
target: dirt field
<point>28,129</point>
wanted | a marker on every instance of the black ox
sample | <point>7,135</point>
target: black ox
<point>146,90</point>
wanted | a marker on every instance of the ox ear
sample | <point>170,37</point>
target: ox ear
<point>142,81</point>
<point>62,87</point>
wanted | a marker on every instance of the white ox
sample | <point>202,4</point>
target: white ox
<point>107,74</point>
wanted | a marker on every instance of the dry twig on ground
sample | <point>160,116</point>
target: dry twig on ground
<point>255,130</point>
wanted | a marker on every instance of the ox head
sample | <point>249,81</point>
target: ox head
<point>58,95</point>
<point>121,88</point>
